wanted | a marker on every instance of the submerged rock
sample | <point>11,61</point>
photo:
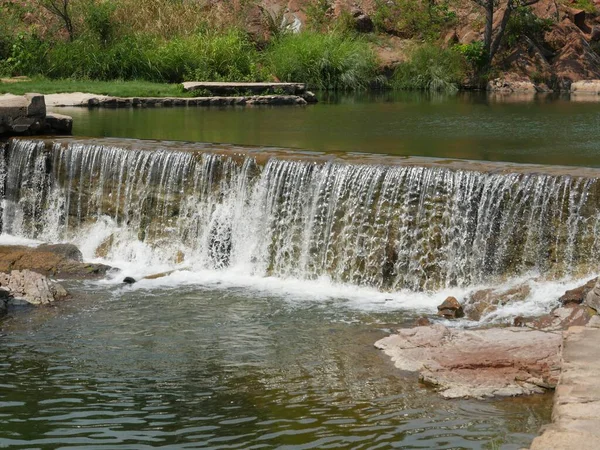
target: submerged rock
<point>128,280</point>
<point>478,363</point>
<point>451,309</point>
<point>485,301</point>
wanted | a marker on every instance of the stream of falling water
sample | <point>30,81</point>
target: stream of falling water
<point>377,225</point>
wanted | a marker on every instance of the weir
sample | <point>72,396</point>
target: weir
<point>387,222</point>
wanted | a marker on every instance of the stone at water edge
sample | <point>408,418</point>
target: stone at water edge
<point>128,280</point>
<point>485,301</point>
<point>451,309</point>
<point>478,363</point>
<point>577,295</point>
<point>592,299</point>
<point>422,322</point>
<point>31,287</point>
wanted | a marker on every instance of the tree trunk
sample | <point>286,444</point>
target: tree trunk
<point>489,28</point>
<point>501,29</point>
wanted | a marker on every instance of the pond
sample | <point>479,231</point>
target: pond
<point>221,359</point>
<point>546,130</point>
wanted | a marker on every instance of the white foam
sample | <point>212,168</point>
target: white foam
<point>7,239</point>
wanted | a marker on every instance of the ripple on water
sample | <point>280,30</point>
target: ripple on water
<point>246,372</point>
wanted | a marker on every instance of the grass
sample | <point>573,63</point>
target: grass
<point>332,61</point>
<point>431,68</point>
<point>111,88</point>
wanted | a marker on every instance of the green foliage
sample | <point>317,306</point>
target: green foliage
<point>325,61</point>
<point>587,5</point>
<point>127,58</point>
<point>523,22</point>
<point>473,53</point>
<point>424,19</point>
<point>112,88</point>
<point>317,14</point>
<point>99,20</point>
<point>228,56</point>
<point>431,68</point>
<point>26,53</point>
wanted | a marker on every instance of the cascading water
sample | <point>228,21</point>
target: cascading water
<point>386,224</point>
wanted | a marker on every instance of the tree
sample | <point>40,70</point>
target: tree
<point>491,40</point>
<point>61,9</point>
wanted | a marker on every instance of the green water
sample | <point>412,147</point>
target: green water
<point>469,126</point>
<point>220,367</point>
<point>198,367</point>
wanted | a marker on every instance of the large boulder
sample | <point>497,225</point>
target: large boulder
<point>511,84</point>
<point>478,363</point>
<point>30,287</point>
<point>62,260</point>
<point>26,115</point>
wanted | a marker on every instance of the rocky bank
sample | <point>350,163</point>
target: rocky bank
<point>25,272</point>
<point>26,115</point>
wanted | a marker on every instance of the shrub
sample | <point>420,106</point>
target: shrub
<point>26,55</point>
<point>473,53</point>
<point>413,18</point>
<point>317,14</point>
<point>324,61</point>
<point>99,20</point>
<point>227,56</point>
<point>430,68</point>
<point>523,22</point>
<point>126,59</point>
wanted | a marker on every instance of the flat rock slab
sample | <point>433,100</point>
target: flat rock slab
<point>26,115</point>
<point>478,363</point>
<point>101,101</point>
<point>216,88</point>
<point>576,412</point>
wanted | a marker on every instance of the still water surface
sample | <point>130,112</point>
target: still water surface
<point>468,126</point>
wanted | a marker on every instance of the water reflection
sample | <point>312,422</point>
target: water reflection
<point>546,129</point>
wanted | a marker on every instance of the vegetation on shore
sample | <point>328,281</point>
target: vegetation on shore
<point>115,88</point>
<point>242,40</point>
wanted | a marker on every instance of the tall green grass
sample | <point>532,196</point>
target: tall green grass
<point>430,68</point>
<point>324,61</point>
<point>207,56</point>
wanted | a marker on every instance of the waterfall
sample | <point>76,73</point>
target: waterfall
<point>387,223</point>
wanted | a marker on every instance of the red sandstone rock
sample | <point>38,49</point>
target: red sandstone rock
<point>451,309</point>
<point>478,363</point>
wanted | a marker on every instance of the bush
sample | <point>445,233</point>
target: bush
<point>324,61</point>
<point>523,22</point>
<point>413,18</point>
<point>99,20</point>
<point>430,68</point>
<point>208,57</point>
<point>473,53</point>
<point>227,56</point>
<point>128,58</point>
<point>26,55</point>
